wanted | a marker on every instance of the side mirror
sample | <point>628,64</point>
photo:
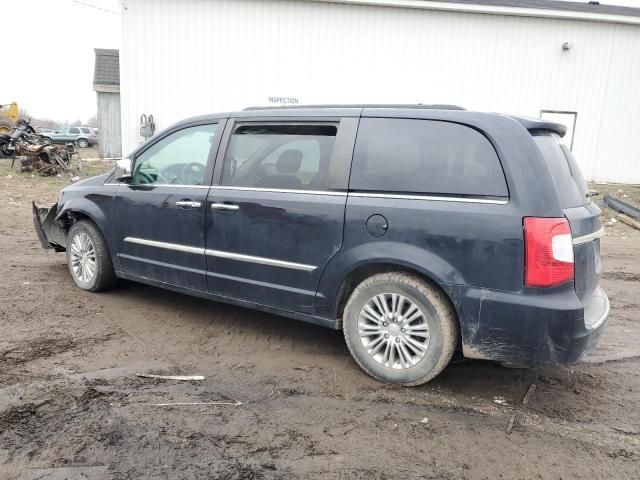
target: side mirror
<point>123,170</point>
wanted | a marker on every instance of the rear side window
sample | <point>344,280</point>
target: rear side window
<point>570,184</point>
<point>425,156</point>
<point>293,157</point>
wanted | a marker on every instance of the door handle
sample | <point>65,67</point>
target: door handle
<point>224,206</point>
<point>188,203</point>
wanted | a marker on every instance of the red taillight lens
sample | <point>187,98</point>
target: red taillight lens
<point>548,252</point>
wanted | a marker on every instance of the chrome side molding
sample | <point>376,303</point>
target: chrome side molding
<point>279,190</point>
<point>167,246</point>
<point>261,260</point>
<point>431,198</point>
<point>499,201</point>
<point>222,254</point>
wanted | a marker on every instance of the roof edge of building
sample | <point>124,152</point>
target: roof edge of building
<point>114,52</point>
<point>494,9</point>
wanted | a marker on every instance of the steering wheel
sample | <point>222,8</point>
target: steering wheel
<point>192,173</point>
<point>149,180</point>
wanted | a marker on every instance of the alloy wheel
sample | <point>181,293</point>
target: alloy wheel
<point>393,330</point>
<point>83,257</point>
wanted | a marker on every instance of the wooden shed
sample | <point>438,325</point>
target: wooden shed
<point>106,83</point>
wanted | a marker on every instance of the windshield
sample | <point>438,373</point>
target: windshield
<point>567,176</point>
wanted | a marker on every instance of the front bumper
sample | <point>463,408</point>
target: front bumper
<point>534,328</point>
<point>50,234</point>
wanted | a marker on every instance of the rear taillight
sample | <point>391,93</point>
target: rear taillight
<point>548,252</point>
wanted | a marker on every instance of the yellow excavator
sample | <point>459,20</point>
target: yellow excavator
<point>9,115</point>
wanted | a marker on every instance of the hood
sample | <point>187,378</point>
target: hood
<point>87,182</point>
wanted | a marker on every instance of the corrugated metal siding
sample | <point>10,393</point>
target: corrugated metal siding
<point>109,134</point>
<point>197,56</point>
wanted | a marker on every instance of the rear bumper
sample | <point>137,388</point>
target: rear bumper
<point>535,327</point>
<point>596,313</point>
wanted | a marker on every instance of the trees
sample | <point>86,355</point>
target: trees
<point>39,122</point>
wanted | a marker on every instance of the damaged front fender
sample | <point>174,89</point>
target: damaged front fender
<point>50,233</point>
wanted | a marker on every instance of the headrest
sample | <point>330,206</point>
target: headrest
<point>289,162</point>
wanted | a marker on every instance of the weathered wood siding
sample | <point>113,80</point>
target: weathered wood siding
<point>109,130</point>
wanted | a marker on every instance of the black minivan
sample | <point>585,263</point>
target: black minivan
<point>417,230</point>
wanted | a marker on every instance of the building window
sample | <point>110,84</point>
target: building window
<point>568,119</point>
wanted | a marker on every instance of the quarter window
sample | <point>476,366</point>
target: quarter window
<point>425,156</point>
<point>294,157</point>
<point>178,159</point>
<point>564,168</point>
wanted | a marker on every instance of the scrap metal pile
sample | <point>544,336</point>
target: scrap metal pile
<point>32,154</point>
<point>44,159</point>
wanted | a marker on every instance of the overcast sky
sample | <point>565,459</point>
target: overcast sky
<point>49,58</point>
<point>48,54</point>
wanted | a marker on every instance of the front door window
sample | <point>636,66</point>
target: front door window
<point>178,159</point>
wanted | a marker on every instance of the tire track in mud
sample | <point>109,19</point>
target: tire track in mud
<point>26,351</point>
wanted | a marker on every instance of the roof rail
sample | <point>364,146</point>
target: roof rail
<point>417,106</point>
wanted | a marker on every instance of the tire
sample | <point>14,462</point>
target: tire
<point>4,150</point>
<point>101,276</point>
<point>82,143</point>
<point>47,140</point>
<point>5,126</point>
<point>437,341</point>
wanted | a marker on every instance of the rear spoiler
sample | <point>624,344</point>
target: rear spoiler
<point>537,124</point>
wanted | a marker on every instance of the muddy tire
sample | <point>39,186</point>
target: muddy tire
<point>82,143</point>
<point>400,329</point>
<point>88,258</point>
<point>46,140</point>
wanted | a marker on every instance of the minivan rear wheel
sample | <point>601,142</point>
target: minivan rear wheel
<point>399,328</point>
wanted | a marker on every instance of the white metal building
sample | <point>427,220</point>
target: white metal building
<point>186,57</point>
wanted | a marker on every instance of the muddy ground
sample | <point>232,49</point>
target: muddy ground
<point>72,407</point>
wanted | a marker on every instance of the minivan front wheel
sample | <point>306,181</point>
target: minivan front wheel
<point>399,328</point>
<point>88,258</point>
